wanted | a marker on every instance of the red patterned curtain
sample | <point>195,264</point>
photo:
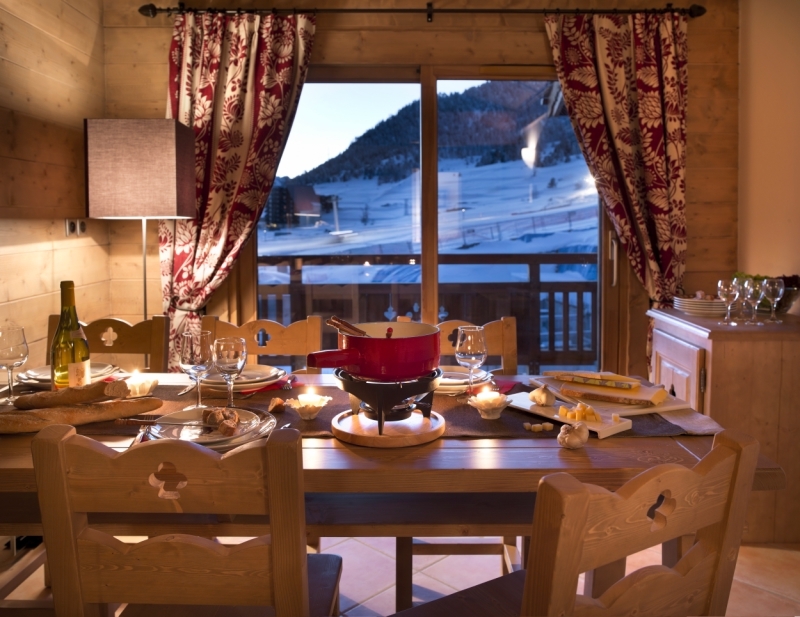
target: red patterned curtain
<point>235,79</point>
<point>624,80</point>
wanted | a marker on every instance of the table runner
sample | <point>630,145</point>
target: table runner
<point>461,419</point>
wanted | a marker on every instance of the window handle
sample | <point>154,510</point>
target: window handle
<point>613,255</point>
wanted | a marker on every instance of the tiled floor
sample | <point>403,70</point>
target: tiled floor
<point>767,579</point>
<point>766,582</point>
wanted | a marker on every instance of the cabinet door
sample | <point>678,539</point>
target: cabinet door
<point>677,366</point>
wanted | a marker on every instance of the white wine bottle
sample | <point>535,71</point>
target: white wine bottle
<point>69,353</point>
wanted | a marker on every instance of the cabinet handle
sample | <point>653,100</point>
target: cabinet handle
<point>613,254</point>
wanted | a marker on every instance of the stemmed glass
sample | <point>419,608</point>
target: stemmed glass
<point>753,292</point>
<point>773,291</point>
<point>728,290</point>
<point>197,359</point>
<point>13,354</point>
<point>230,354</point>
<point>471,349</point>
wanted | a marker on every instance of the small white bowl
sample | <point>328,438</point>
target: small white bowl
<point>489,409</point>
<point>308,412</point>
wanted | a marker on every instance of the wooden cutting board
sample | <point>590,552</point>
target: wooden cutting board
<point>610,380</point>
<point>359,430</point>
<point>643,395</point>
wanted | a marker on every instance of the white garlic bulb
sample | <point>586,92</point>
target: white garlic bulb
<point>573,436</point>
<point>543,396</point>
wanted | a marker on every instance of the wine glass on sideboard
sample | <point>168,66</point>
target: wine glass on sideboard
<point>230,355</point>
<point>753,292</point>
<point>773,291</point>
<point>197,359</point>
<point>728,290</point>
<point>13,354</point>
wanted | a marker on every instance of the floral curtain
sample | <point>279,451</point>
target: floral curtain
<point>624,80</point>
<point>235,79</point>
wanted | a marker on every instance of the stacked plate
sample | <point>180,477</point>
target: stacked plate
<point>183,425</point>
<point>252,377</point>
<point>455,379</point>
<point>700,308</point>
<point>40,377</point>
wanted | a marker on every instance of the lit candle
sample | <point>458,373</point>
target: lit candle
<point>138,385</point>
<point>490,397</point>
<point>311,399</point>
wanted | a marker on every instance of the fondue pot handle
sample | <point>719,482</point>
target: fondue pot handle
<point>332,358</point>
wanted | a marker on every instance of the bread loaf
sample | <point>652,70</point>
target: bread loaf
<point>17,421</point>
<point>73,396</point>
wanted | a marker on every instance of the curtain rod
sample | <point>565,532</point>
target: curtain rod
<point>695,10</point>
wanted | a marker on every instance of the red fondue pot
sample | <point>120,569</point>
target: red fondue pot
<point>412,352</point>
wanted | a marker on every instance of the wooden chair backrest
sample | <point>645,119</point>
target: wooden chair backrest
<point>501,340</point>
<point>299,338</point>
<point>578,527</point>
<point>116,336</point>
<point>77,475</point>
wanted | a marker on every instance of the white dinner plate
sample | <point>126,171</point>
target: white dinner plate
<point>42,373</point>
<point>251,373</point>
<point>248,422</point>
<point>458,375</point>
<point>244,386</point>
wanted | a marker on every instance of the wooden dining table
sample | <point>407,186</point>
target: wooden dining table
<point>451,486</point>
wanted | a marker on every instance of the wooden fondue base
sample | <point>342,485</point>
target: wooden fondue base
<point>359,430</point>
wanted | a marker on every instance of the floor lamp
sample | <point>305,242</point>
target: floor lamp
<point>139,169</point>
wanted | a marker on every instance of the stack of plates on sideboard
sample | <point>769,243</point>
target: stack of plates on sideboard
<point>700,307</point>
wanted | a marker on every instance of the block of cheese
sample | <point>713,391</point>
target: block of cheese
<point>594,378</point>
<point>643,395</point>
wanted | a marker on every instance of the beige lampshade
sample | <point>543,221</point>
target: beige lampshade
<point>139,169</point>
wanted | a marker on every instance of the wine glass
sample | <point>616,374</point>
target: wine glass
<point>197,359</point>
<point>13,354</point>
<point>230,354</point>
<point>728,290</point>
<point>753,292</point>
<point>773,291</point>
<point>471,349</point>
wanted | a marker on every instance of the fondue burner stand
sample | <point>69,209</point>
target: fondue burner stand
<point>381,400</point>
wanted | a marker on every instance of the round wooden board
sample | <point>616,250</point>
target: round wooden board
<point>359,430</point>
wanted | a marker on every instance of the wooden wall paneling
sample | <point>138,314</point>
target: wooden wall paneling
<point>31,139</point>
<point>40,190</point>
<point>787,512</point>
<point>68,21</point>
<point>48,57</point>
<point>705,150</point>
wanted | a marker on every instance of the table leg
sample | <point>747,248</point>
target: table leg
<point>673,550</point>
<point>404,573</point>
<point>597,582</point>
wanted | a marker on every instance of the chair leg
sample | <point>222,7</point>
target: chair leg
<point>405,565</point>
<point>509,541</point>
<point>597,582</point>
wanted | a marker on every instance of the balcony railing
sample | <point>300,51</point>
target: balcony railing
<point>555,304</point>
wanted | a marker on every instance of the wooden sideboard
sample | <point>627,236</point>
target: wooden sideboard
<point>746,378</point>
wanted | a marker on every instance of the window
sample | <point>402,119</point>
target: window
<point>517,214</point>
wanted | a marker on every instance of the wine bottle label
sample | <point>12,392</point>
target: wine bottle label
<point>77,334</point>
<point>79,373</point>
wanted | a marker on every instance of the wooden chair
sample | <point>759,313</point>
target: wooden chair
<point>501,340</point>
<point>579,527</point>
<point>115,336</point>
<point>297,339</point>
<point>77,476</point>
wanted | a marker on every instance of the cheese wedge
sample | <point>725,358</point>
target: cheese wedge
<point>607,379</point>
<point>643,395</point>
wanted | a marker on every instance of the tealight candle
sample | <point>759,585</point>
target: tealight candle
<point>139,385</point>
<point>490,397</point>
<point>311,399</point>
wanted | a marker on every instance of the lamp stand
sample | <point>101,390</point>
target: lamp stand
<point>144,265</point>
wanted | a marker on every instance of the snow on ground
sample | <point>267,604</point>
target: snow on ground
<point>495,209</point>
